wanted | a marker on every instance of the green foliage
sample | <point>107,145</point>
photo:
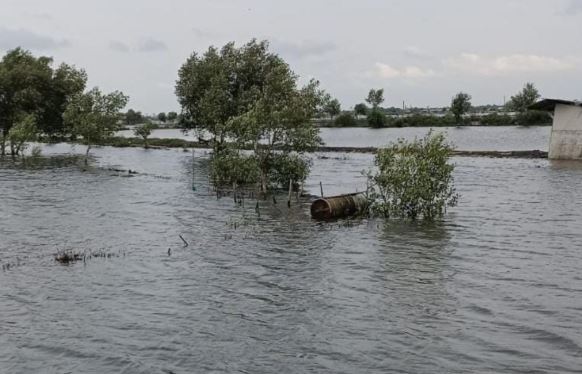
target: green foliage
<point>332,107</point>
<point>375,97</point>
<point>250,96</point>
<point>376,118</point>
<point>29,85</point>
<point>287,167</point>
<point>414,179</point>
<point>495,119</point>
<point>162,117</point>
<point>360,109</point>
<point>24,131</point>
<point>144,131</point>
<point>345,120</point>
<point>172,116</point>
<point>231,167</point>
<point>133,118</point>
<point>94,115</point>
<point>523,99</point>
<point>460,104</point>
<point>422,120</point>
<point>532,118</point>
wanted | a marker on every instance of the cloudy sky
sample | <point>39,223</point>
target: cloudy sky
<point>419,51</point>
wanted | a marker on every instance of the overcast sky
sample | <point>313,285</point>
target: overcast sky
<point>421,52</point>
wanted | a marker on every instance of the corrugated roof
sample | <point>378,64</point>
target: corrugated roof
<point>550,104</point>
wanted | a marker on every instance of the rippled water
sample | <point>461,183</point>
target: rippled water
<point>475,138</point>
<point>493,288</point>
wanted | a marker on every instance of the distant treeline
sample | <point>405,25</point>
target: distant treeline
<point>529,118</point>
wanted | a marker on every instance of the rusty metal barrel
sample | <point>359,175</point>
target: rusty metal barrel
<point>339,206</point>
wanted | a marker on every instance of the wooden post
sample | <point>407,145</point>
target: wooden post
<point>321,188</point>
<point>290,190</point>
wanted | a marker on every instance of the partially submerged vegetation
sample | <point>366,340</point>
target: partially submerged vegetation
<point>248,99</point>
<point>413,179</point>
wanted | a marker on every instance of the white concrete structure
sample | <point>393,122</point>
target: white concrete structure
<point>566,138</point>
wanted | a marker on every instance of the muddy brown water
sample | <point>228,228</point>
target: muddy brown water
<point>493,287</point>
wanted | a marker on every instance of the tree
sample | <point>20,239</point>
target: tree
<point>376,118</point>
<point>414,179</point>
<point>278,125</point>
<point>144,131</point>
<point>521,101</point>
<point>249,95</point>
<point>460,104</point>
<point>162,117</point>
<point>360,109</point>
<point>332,107</point>
<point>172,116</point>
<point>29,85</point>
<point>133,117</point>
<point>94,115</point>
<point>375,97</point>
<point>23,131</point>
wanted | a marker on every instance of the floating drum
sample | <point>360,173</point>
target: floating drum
<point>339,206</point>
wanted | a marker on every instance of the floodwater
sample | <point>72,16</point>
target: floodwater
<point>471,138</point>
<point>495,287</point>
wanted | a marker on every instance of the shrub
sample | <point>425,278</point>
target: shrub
<point>376,118</point>
<point>230,167</point>
<point>287,167</point>
<point>414,179</point>
<point>345,120</point>
<point>533,117</point>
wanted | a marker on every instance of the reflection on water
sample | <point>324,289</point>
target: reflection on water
<point>494,287</point>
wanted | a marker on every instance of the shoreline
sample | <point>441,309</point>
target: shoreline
<point>159,143</point>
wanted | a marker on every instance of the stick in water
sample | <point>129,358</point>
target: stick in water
<point>184,240</point>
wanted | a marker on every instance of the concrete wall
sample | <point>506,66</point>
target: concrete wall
<point>566,139</point>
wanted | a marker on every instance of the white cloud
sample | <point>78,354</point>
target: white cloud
<point>499,65</point>
<point>408,72</point>
<point>573,7</point>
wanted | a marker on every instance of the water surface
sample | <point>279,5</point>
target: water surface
<point>494,287</point>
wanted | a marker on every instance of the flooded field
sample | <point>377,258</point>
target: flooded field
<point>495,287</point>
<point>471,138</point>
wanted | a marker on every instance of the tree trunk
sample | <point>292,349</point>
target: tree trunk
<point>87,154</point>
<point>3,143</point>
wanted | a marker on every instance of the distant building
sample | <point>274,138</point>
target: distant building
<point>566,138</point>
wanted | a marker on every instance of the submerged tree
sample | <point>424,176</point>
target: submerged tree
<point>460,104</point>
<point>414,179</point>
<point>93,116</point>
<point>24,131</point>
<point>250,97</point>
<point>144,131</point>
<point>30,85</point>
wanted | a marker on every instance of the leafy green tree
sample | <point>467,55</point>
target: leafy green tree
<point>22,132</point>
<point>460,104</point>
<point>278,125</point>
<point>93,116</point>
<point>332,107</point>
<point>29,85</point>
<point>414,179</point>
<point>521,101</point>
<point>375,97</point>
<point>172,116</point>
<point>162,117</point>
<point>133,117</point>
<point>144,131</point>
<point>249,95</point>
<point>360,109</point>
<point>376,118</point>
